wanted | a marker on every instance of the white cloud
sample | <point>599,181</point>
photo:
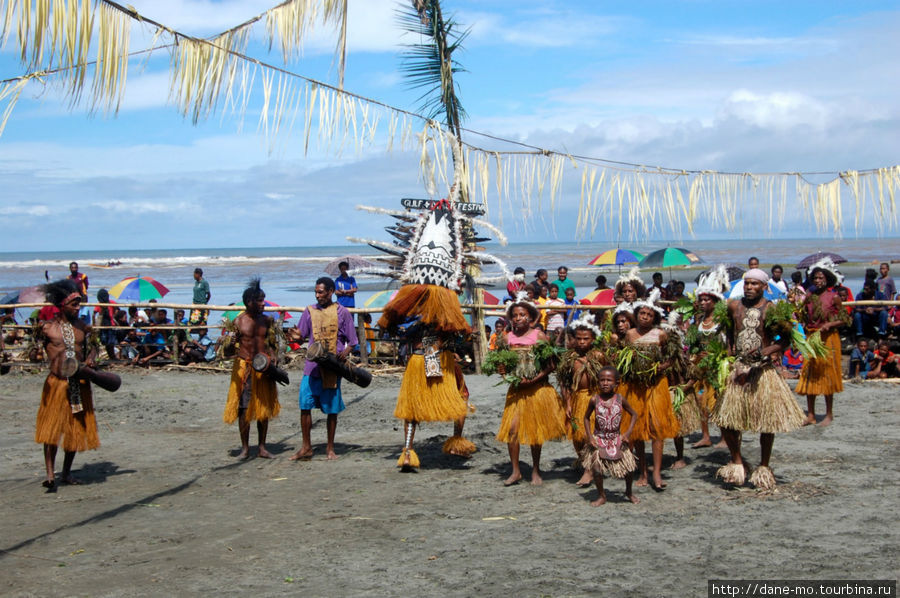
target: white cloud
<point>36,211</point>
<point>778,111</point>
<point>136,208</point>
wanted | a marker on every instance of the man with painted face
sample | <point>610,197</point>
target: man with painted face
<point>331,325</point>
<point>756,398</point>
<point>66,415</point>
<point>252,394</point>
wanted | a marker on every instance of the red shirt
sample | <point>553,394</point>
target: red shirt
<point>81,281</point>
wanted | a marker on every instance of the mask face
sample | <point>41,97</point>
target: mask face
<point>436,257</point>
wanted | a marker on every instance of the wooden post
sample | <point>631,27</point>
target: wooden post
<point>481,341</point>
<point>363,341</point>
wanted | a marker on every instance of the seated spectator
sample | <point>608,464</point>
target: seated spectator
<point>885,364</point>
<point>894,320</point>
<point>153,344</point>
<point>870,316</point>
<point>861,359</point>
<point>203,350</point>
<point>844,293</point>
<point>182,336</point>
<point>137,317</point>
<point>792,363</point>
<point>12,335</point>
<point>129,346</point>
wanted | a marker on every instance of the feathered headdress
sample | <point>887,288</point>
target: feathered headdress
<point>714,283</point>
<point>521,300</point>
<point>632,277</point>
<point>585,322</point>
<point>650,302</point>
<point>828,266</point>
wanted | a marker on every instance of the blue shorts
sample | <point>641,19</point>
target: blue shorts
<point>328,400</point>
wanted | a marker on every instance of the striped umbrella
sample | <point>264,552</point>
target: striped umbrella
<point>138,288</point>
<point>616,257</point>
<point>669,257</point>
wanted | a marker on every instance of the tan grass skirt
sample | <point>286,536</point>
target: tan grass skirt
<point>424,399</point>
<point>580,399</point>
<point>688,415</point>
<point>57,425</point>
<point>619,468</point>
<point>765,404</point>
<point>823,376</point>
<point>537,411</point>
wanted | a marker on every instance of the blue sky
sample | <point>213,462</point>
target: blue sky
<point>734,86</point>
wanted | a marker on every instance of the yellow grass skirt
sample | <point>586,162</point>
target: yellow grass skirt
<point>655,417</point>
<point>424,399</point>
<point>706,399</point>
<point>619,468</point>
<point>580,400</point>
<point>538,413</point>
<point>263,394</point>
<point>823,376</point>
<point>56,421</point>
<point>688,415</point>
<point>765,404</point>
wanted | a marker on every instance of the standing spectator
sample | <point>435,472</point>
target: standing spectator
<point>657,284</point>
<point>886,283</point>
<point>105,316</point>
<point>601,283</point>
<point>345,287</point>
<point>797,292</point>
<point>540,280</point>
<point>563,281</point>
<point>776,280</point>
<point>556,322</point>
<point>517,284</point>
<point>80,280</point>
<point>753,263</point>
<point>201,297</point>
<point>870,315</point>
<point>572,314</point>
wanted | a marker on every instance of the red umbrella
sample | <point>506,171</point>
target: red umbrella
<point>601,297</point>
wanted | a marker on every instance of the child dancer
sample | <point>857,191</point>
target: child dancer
<point>647,390</point>
<point>605,454</point>
<point>577,374</point>
<point>534,412</point>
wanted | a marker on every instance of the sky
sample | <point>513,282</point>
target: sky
<point>709,85</point>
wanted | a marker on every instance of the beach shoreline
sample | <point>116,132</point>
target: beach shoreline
<point>167,509</point>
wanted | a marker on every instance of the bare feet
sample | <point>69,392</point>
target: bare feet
<point>586,479</point>
<point>536,479</point>
<point>244,454</point>
<point>330,455</point>
<point>702,443</point>
<point>827,421</point>
<point>71,481</point>
<point>810,420</point>
<point>515,478</point>
<point>600,501</point>
<point>50,485</point>
<point>634,499</point>
<point>264,454</point>
<point>303,454</point>
<point>641,481</point>
<point>721,444</point>
<point>658,484</point>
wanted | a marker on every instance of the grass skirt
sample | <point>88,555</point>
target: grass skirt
<point>263,394</point>
<point>619,468</point>
<point>823,376</point>
<point>424,399</point>
<point>655,416</point>
<point>539,412</point>
<point>580,400</point>
<point>688,415</point>
<point>765,404</point>
<point>706,399</point>
<point>56,421</point>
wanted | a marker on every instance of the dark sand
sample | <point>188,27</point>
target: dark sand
<point>167,510</point>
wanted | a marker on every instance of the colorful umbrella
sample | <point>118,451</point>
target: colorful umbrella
<point>812,259</point>
<point>232,314</point>
<point>600,297</point>
<point>140,289</point>
<point>616,257</point>
<point>380,299</point>
<point>669,257</point>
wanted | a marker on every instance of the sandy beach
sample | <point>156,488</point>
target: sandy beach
<point>166,509</point>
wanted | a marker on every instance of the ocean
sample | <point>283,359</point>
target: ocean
<point>288,273</point>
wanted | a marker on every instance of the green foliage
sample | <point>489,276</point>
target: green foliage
<point>505,357</point>
<point>638,365</point>
<point>721,315</point>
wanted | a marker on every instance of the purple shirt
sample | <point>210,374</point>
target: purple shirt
<point>346,335</point>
